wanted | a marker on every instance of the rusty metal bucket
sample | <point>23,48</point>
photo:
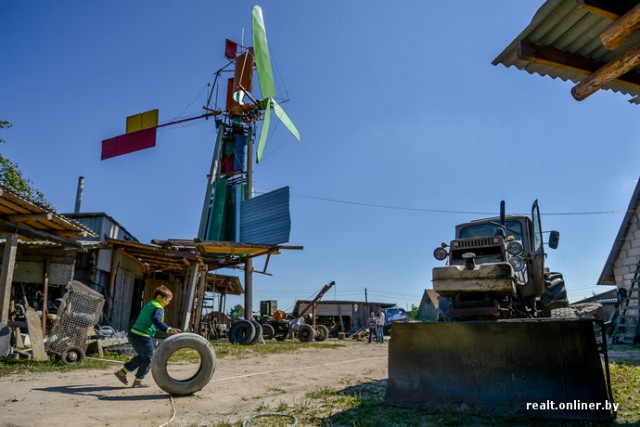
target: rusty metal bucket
<point>538,368</point>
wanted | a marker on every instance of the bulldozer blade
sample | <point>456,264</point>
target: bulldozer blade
<point>533,367</point>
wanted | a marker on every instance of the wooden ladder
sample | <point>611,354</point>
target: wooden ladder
<point>628,327</point>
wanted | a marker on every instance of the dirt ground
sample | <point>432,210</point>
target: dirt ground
<point>239,386</point>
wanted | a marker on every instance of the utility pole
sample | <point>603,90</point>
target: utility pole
<point>365,296</point>
<point>248,263</point>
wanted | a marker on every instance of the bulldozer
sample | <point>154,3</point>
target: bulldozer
<point>505,340</point>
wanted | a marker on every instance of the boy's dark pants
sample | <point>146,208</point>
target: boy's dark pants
<point>142,361</point>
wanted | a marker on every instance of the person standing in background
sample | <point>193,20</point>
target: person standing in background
<point>381,321</point>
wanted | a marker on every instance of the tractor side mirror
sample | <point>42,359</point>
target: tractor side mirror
<point>554,238</point>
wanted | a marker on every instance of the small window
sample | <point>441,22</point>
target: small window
<point>537,228</point>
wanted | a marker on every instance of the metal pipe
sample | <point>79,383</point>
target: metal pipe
<point>79,192</point>
<point>248,264</point>
<point>211,179</point>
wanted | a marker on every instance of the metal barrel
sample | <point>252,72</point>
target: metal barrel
<point>538,368</point>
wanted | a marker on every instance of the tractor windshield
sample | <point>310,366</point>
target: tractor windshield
<point>513,228</point>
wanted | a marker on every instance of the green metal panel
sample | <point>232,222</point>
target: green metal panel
<point>216,219</point>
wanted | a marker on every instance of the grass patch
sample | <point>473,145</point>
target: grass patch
<point>14,367</point>
<point>625,384</point>
<point>363,405</point>
<point>225,349</point>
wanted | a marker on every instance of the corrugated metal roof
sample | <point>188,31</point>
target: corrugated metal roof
<point>25,213</point>
<point>265,219</point>
<point>224,284</point>
<point>84,218</point>
<point>567,26</point>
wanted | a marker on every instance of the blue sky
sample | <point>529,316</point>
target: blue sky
<point>397,103</point>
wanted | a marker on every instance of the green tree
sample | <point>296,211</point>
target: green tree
<point>413,313</point>
<point>236,312</point>
<point>4,125</point>
<point>11,177</point>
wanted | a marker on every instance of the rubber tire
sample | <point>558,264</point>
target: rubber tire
<point>555,291</point>
<point>177,342</point>
<point>268,332</point>
<point>242,332</point>
<point>322,333</point>
<point>564,313</point>
<point>72,356</point>
<point>306,333</point>
<point>258,333</point>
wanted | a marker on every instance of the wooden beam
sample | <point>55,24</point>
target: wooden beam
<point>18,219</point>
<point>604,8</point>
<point>202,287</point>
<point>31,233</point>
<point>543,55</point>
<point>6,274</point>
<point>621,30</point>
<point>607,73</point>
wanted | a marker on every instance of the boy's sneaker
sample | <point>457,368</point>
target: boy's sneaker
<point>139,383</point>
<point>122,376</point>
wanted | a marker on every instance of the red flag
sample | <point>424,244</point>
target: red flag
<point>230,49</point>
<point>128,143</point>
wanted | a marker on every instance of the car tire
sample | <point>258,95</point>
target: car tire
<point>268,332</point>
<point>306,333</point>
<point>178,342</point>
<point>258,332</point>
<point>242,332</point>
<point>322,333</point>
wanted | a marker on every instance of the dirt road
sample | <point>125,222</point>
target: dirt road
<point>239,387</point>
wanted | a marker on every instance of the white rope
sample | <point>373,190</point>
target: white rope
<point>297,369</point>
<point>173,406</point>
<point>105,360</point>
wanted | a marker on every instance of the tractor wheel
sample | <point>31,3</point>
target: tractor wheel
<point>268,332</point>
<point>322,333</point>
<point>306,333</point>
<point>201,378</point>
<point>258,333</point>
<point>242,332</point>
<point>555,292</point>
<point>72,356</point>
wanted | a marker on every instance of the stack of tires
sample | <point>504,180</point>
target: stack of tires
<point>245,332</point>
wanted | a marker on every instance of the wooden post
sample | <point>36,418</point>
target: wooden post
<point>45,296</point>
<point>622,29</point>
<point>112,280</point>
<point>607,73</point>
<point>6,275</point>
<point>201,291</point>
<point>190,295</point>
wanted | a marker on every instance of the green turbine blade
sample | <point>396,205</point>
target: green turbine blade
<point>261,51</point>
<point>285,119</point>
<point>264,131</point>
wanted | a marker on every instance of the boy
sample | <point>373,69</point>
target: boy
<point>150,320</point>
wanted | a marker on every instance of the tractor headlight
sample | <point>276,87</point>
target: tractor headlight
<point>440,254</point>
<point>517,263</point>
<point>514,248</point>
